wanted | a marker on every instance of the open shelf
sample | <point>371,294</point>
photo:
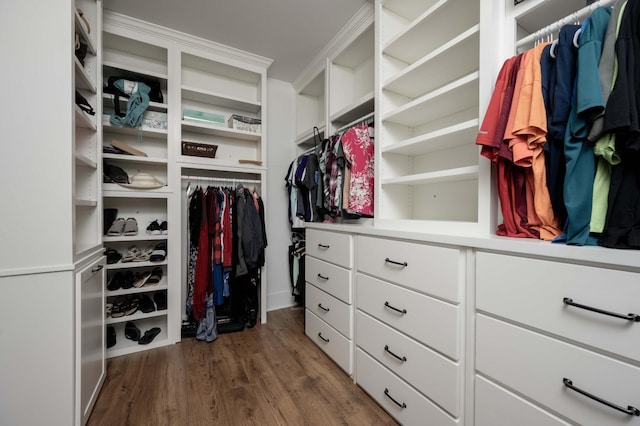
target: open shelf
<point>219,131</point>
<point>223,101</point>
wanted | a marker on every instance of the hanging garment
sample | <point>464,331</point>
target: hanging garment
<point>578,151</point>
<point>203,266</point>
<point>358,148</point>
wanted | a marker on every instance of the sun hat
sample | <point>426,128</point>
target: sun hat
<point>144,181</point>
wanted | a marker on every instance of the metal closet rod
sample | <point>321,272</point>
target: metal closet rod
<point>217,179</point>
<point>569,19</point>
<point>358,121</point>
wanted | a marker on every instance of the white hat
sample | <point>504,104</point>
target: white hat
<point>144,181</point>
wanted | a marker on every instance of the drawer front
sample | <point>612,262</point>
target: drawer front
<point>536,298</point>
<point>432,270</point>
<point>333,279</point>
<point>431,321</point>
<point>329,340</point>
<point>330,246</point>
<point>535,366</point>
<point>429,372</point>
<point>399,399</point>
<point>334,312</point>
<point>496,406</point>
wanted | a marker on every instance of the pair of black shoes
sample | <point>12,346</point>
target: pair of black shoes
<point>147,305</point>
<point>121,280</point>
<point>132,332</point>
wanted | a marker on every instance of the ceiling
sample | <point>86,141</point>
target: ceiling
<point>291,32</point>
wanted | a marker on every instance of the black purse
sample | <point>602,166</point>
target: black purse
<point>155,93</point>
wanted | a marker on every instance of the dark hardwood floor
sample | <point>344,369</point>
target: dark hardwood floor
<point>269,375</point>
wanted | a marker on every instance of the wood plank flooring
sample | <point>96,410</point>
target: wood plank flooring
<point>269,375</point>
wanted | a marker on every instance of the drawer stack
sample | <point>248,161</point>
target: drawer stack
<point>408,329</point>
<point>329,294</point>
<point>545,335</point>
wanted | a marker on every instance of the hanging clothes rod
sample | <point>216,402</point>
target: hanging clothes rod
<point>223,180</point>
<point>365,119</point>
<point>569,19</point>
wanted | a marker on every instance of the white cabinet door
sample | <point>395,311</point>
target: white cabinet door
<point>90,338</point>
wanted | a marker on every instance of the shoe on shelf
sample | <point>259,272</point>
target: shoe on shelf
<point>116,282</point>
<point>163,227</point>
<point>111,336</point>
<point>140,279</point>
<point>131,332</point>
<point>146,304</point>
<point>161,300</point>
<point>130,227</point>
<point>149,335</point>
<point>119,307</point>
<point>154,228</point>
<point>159,253</point>
<point>113,256</point>
<point>127,283</point>
<point>156,276</point>
<point>117,228</point>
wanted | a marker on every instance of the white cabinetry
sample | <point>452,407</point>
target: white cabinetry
<point>408,328</point>
<point>337,88</point>
<point>427,164</point>
<point>328,295</point>
<point>52,362</point>
<point>533,339</point>
<point>132,55</point>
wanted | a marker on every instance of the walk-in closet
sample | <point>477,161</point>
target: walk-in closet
<point>415,212</point>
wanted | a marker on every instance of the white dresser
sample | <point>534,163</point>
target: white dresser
<point>329,294</point>
<point>409,328</point>
<point>540,344</point>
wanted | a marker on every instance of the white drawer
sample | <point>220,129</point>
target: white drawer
<point>331,310</point>
<point>399,399</point>
<point>431,321</point>
<point>329,340</point>
<point>333,279</point>
<point>430,373</point>
<point>432,270</point>
<point>330,246</point>
<point>535,366</point>
<point>531,291</point>
<point>496,406</point>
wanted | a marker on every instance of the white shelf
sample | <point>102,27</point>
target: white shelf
<point>357,109</point>
<point>130,265</point>
<point>454,59</point>
<point>142,236</point>
<point>133,131</point>
<point>221,100</point>
<point>140,68</point>
<point>85,203</point>
<point>138,315</point>
<point>162,285</point>
<point>450,175</point>
<point>84,35</point>
<point>113,190</point>
<point>219,131</point>
<point>83,80</point>
<point>126,346</point>
<point>135,159</point>
<point>457,96</point>
<point>307,137</point>
<point>85,161</point>
<point>123,100</point>
<point>84,120</point>
<point>448,137</point>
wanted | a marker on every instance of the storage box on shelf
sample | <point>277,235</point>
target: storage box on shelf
<point>212,93</point>
<point>427,161</point>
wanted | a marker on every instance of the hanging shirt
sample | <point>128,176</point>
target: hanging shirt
<point>357,147</point>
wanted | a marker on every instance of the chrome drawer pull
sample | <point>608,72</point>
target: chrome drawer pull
<point>98,268</point>
<point>386,392</point>
<point>628,317</point>
<point>632,411</point>
<point>323,339</point>
<point>322,307</point>
<point>323,246</point>
<point>403,359</point>
<point>403,264</point>
<point>387,305</point>
<point>322,277</point>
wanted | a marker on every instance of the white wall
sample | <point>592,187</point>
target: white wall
<point>280,153</point>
